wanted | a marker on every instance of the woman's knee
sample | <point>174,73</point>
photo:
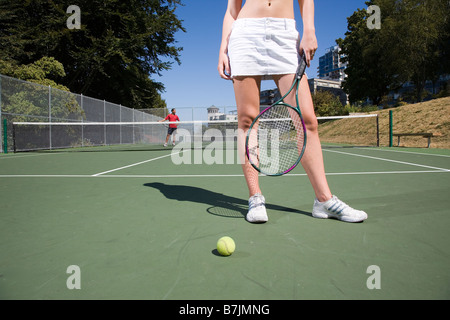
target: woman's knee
<point>311,123</point>
<point>245,121</point>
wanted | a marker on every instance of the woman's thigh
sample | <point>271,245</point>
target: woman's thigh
<point>247,91</point>
<point>284,83</point>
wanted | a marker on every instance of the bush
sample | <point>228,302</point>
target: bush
<point>327,104</point>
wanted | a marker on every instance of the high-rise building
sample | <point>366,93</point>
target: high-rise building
<point>331,74</point>
<point>331,66</point>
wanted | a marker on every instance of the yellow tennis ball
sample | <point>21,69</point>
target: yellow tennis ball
<point>226,246</point>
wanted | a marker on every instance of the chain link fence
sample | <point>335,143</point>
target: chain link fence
<point>22,101</point>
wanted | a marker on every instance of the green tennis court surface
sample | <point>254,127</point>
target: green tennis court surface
<point>139,227</point>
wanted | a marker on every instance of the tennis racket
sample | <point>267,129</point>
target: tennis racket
<point>276,140</point>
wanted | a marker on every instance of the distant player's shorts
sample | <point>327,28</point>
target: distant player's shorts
<point>263,46</point>
<point>171,130</point>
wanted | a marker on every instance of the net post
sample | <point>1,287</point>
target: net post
<point>14,137</point>
<point>50,116</point>
<point>390,128</point>
<point>378,130</point>
<point>104,120</point>
<point>1,148</point>
<point>120,120</point>
<point>5,136</point>
<point>133,126</point>
<point>82,120</point>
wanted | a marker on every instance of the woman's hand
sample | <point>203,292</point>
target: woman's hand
<point>224,66</point>
<point>309,46</point>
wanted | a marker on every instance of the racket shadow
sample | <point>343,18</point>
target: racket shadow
<point>219,203</point>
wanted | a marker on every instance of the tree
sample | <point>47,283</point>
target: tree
<point>112,56</point>
<point>24,99</point>
<point>422,31</point>
<point>41,71</point>
<point>371,72</point>
<point>327,104</point>
<point>410,46</point>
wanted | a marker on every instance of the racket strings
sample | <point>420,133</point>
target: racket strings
<point>276,140</point>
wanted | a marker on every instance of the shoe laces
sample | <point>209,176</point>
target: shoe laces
<point>256,201</point>
<point>337,206</point>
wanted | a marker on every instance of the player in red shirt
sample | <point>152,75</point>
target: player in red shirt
<point>172,117</point>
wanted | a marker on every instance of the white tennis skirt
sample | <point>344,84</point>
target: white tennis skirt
<point>263,47</point>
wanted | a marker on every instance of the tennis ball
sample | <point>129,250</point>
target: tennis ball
<point>226,246</point>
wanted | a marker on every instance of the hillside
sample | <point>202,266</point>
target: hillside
<point>431,116</point>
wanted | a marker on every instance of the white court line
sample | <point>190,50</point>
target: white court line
<point>389,160</point>
<point>45,176</point>
<point>211,175</point>
<point>134,164</point>
<point>286,175</point>
<point>410,152</point>
<point>14,156</point>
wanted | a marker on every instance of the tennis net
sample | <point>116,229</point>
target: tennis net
<point>30,136</point>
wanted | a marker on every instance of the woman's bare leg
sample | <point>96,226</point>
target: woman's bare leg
<point>312,159</point>
<point>247,90</point>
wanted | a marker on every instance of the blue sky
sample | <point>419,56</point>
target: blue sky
<point>196,82</point>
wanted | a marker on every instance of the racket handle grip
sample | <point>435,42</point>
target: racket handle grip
<point>301,66</point>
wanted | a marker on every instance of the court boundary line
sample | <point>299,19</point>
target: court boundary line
<point>213,175</point>
<point>389,160</point>
<point>409,152</point>
<point>345,153</point>
<point>15,156</point>
<point>104,173</point>
<point>135,164</point>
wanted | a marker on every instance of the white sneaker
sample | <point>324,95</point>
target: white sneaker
<point>165,144</point>
<point>173,143</point>
<point>337,209</point>
<point>257,209</point>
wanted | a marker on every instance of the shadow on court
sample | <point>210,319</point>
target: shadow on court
<point>220,204</point>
